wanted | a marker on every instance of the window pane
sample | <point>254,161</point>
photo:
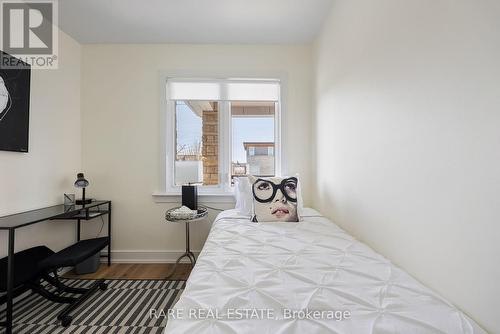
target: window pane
<point>197,142</point>
<point>252,138</point>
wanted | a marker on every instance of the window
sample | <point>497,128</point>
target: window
<point>253,137</point>
<point>221,129</point>
<point>196,142</point>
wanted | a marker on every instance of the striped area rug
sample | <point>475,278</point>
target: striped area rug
<point>123,308</point>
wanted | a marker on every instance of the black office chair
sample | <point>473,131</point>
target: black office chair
<point>33,265</point>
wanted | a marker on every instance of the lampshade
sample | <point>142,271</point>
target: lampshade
<point>81,182</point>
<point>188,172</point>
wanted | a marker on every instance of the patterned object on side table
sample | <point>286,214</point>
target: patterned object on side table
<point>171,218</point>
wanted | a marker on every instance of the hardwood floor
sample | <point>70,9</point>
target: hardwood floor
<point>136,271</point>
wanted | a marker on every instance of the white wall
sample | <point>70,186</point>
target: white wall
<point>39,178</point>
<point>407,130</point>
<point>122,138</point>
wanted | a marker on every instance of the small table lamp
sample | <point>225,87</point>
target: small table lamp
<point>189,174</point>
<point>81,182</point>
<point>190,196</point>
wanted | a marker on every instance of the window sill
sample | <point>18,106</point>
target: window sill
<point>174,197</point>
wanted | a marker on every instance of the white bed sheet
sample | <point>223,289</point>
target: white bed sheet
<point>251,277</point>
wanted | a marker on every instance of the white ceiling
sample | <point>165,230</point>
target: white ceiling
<point>192,21</point>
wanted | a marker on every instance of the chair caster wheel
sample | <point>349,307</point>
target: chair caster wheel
<point>66,321</point>
<point>103,286</point>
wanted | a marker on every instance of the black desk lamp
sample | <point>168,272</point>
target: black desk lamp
<point>81,182</point>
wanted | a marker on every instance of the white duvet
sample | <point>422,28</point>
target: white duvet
<point>308,277</point>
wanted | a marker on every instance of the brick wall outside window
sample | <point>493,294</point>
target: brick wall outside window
<point>210,144</point>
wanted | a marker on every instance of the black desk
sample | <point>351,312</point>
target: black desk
<point>75,212</point>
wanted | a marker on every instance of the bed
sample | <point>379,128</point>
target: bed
<point>308,277</point>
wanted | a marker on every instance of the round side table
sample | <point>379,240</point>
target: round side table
<point>202,214</point>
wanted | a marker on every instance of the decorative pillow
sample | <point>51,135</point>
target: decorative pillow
<point>275,199</point>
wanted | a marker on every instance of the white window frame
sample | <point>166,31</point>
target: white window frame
<point>168,191</point>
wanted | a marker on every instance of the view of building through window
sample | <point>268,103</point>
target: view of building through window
<point>197,142</point>
<point>253,138</point>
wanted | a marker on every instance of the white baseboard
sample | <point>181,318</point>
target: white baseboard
<point>146,256</point>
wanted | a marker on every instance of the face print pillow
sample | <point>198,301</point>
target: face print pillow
<point>274,199</point>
